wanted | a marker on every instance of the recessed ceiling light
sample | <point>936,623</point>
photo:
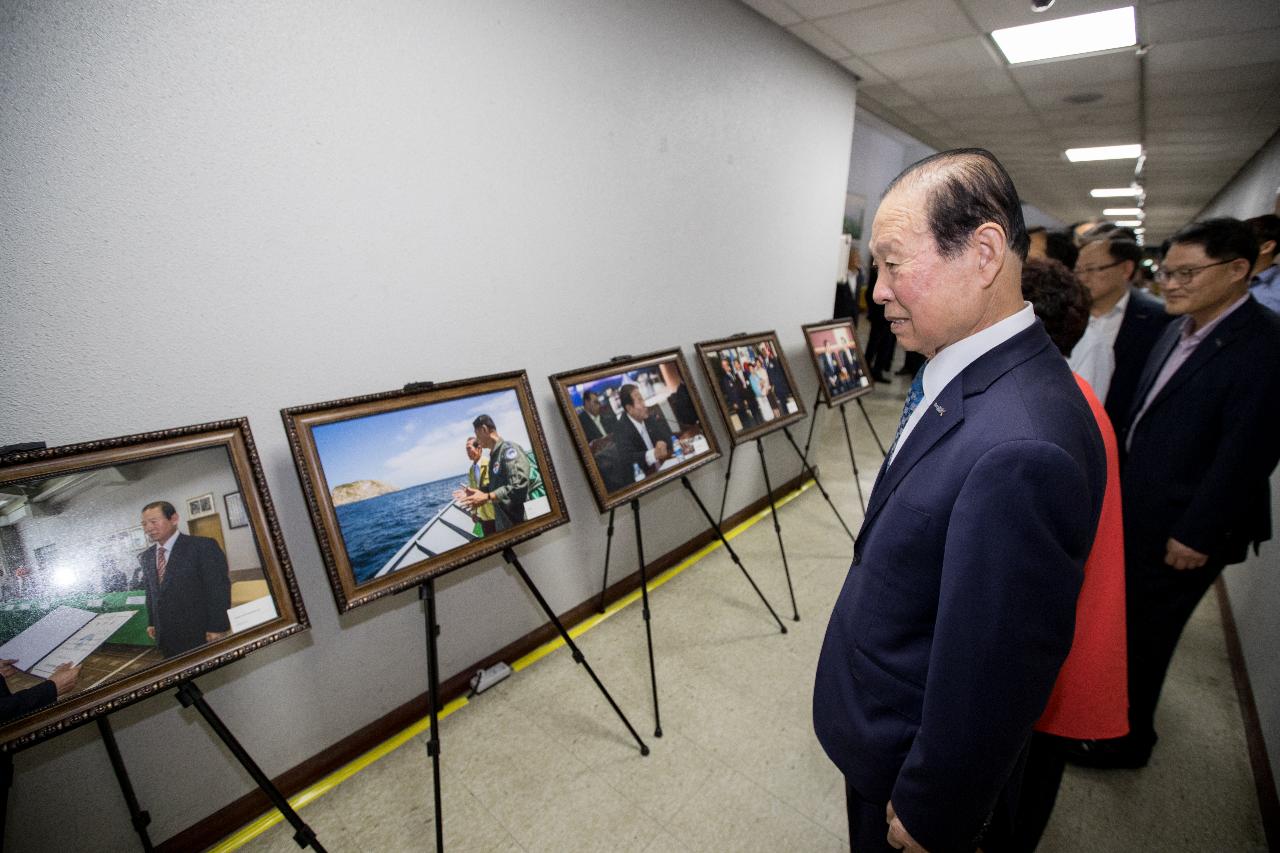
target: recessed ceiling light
<point>1115,192</point>
<point>1122,211</point>
<point>1129,223</point>
<point>1068,36</point>
<point>1103,152</point>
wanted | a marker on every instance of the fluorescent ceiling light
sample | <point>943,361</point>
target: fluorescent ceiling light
<point>1116,192</point>
<point>1103,152</point>
<point>1068,36</point>
<point>1129,223</point>
<point>1122,211</point>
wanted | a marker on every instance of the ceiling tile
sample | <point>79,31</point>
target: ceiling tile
<point>1122,93</point>
<point>776,11</point>
<point>1078,73</point>
<point>909,23</point>
<point>993,105</point>
<point>971,53</point>
<point>820,40</point>
<point>864,70</point>
<point>973,84</point>
<point>827,8</point>
<point>888,94</point>
<point>1217,52</point>
<point>997,14</point>
<point>1263,77</point>
<point>1173,21</point>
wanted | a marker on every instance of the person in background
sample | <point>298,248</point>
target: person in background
<point>1124,323</point>
<point>847,291</point>
<point>880,340</point>
<point>1265,283</point>
<point>478,478</point>
<point>1090,697</point>
<point>596,420</point>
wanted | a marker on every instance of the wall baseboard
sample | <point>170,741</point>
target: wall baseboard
<point>1264,778</point>
<point>247,808</point>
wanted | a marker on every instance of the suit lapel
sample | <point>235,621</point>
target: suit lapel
<point>1218,340</point>
<point>1159,355</point>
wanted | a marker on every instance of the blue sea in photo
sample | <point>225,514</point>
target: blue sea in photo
<point>374,530</point>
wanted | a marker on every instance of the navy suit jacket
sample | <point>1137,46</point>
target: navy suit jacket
<point>959,607</point>
<point>1198,466</point>
<point>194,597</point>
<point>1144,320</point>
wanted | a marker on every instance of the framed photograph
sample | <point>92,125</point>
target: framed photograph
<point>407,485</point>
<point>752,384</point>
<point>201,506</point>
<point>236,516</point>
<point>636,424</point>
<point>102,568</point>
<point>842,370</point>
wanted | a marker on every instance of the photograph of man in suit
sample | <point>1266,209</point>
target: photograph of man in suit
<point>1199,447</point>
<point>959,607</point>
<point>597,420</point>
<point>1124,323</point>
<point>641,437</point>
<point>734,394</point>
<point>187,582</point>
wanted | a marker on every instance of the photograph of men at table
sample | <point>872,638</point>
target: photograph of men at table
<point>648,423</point>
<point>840,364</point>
<point>187,582</point>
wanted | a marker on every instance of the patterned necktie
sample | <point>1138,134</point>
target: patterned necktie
<point>914,396</point>
<point>160,564</point>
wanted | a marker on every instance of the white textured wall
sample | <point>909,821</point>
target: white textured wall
<point>222,209</point>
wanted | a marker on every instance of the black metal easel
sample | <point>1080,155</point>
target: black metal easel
<point>190,696</point>
<point>806,468</point>
<point>848,439</point>
<point>140,818</point>
<point>644,584</point>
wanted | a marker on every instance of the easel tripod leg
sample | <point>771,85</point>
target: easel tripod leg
<point>813,422</point>
<point>140,818</point>
<point>725,494</point>
<point>805,468</point>
<point>190,696</point>
<point>608,546</point>
<point>644,612</point>
<point>777,529</point>
<point>853,460</point>
<point>732,554</point>
<point>872,427</point>
<point>427,592</point>
<point>578,658</point>
<point>6,782</point>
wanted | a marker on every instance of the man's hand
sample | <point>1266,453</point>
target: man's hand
<point>7,667</point>
<point>151,631</point>
<point>661,452</point>
<point>64,678</point>
<point>470,498</point>
<point>898,837</point>
<point>210,636</point>
<point>1181,557</point>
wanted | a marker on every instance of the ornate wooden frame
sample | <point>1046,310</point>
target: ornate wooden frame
<point>605,499</point>
<point>710,349</point>
<point>234,435</point>
<point>298,422</point>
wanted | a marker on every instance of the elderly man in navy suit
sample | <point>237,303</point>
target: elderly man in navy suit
<point>959,607</point>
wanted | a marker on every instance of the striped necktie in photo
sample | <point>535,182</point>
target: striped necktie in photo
<point>161,562</point>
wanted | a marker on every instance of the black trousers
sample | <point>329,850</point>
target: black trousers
<point>1158,602</point>
<point>868,830</point>
<point>1040,783</point>
<point>880,344</point>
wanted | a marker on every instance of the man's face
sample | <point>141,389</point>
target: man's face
<point>1103,284</point>
<point>1209,291</point>
<point>485,437</point>
<point>930,301</point>
<point>156,526</point>
<point>473,450</point>
<point>591,403</point>
<point>636,406</point>
<point>724,365</point>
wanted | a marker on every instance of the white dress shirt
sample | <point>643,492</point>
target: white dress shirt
<point>951,361</point>
<point>1094,355</point>
<point>649,458</point>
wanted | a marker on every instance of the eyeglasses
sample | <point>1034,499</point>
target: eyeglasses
<point>1184,275</point>
<point>1091,270</point>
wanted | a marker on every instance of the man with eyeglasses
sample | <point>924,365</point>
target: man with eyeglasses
<point>1124,323</point>
<point>1201,446</point>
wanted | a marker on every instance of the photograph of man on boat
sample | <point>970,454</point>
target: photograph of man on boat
<point>635,424</point>
<point>412,484</point>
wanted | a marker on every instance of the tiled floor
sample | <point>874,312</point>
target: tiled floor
<point>540,762</point>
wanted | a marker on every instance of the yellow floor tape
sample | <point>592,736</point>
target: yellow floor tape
<point>313,792</point>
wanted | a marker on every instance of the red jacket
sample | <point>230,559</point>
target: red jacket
<point>1090,699</point>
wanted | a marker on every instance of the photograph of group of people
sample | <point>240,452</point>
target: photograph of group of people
<point>107,571</point>
<point>410,485</point>
<point>842,370</point>
<point>636,421</point>
<point>752,383</point>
